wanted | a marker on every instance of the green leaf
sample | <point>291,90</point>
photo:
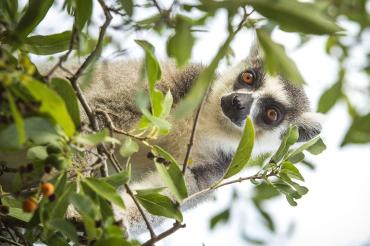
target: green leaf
<point>276,60</point>
<point>37,153</point>
<point>153,74</point>
<point>47,45</point>
<point>266,216</point>
<point>359,131</point>
<point>150,191</point>
<point>159,205</point>
<point>221,217</point>
<point>96,138</point>
<point>34,14</point>
<point>83,204</point>
<point>152,67</point>
<point>114,241</point>
<point>244,150</point>
<point>317,148</point>
<point>297,158</point>
<point>171,174</point>
<point>19,123</point>
<point>64,227</point>
<point>303,147</point>
<point>329,98</point>
<point>67,93</point>
<point>128,6</point>
<point>83,12</point>
<point>118,179</point>
<point>59,208</point>
<point>51,104</point>
<point>128,147</point>
<point>289,169</point>
<point>289,139</point>
<point>39,130</point>
<point>180,45</point>
<point>294,16</point>
<point>104,190</point>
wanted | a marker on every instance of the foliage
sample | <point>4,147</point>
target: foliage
<point>40,118</point>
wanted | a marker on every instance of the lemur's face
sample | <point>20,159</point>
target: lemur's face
<point>272,102</point>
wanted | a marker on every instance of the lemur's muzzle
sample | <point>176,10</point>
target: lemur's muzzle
<point>236,106</point>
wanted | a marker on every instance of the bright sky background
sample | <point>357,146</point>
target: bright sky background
<point>336,211</point>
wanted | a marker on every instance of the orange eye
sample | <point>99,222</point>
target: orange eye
<point>247,77</point>
<point>272,114</point>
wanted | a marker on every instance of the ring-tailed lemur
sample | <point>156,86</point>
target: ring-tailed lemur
<point>271,101</point>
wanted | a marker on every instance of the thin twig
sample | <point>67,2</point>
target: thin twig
<point>195,123</point>
<point>177,225</point>
<point>114,128</point>
<point>150,229</point>
<point>116,165</point>
<point>4,239</point>
<point>191,140</point>
<point>64,57</point>
<point>157,6</point>
<point>81,69</point>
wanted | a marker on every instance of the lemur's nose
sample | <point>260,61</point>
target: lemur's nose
<point>235,102</point>
<point>236,106</point>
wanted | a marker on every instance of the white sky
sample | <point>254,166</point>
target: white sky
<point>336,211</point>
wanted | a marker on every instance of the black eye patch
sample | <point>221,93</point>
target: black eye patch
<point>249,79</point>
<point>270,112</point>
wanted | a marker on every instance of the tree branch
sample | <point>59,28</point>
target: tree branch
<point>177,225</point>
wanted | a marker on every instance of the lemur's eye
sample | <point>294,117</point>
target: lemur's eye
<point>247,77</point>
<point>271,115</point>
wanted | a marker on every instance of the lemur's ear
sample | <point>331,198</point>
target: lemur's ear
<point>309,125</point>
<point>255,51</point>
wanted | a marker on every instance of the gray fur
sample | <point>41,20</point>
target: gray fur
<point>113,88</point>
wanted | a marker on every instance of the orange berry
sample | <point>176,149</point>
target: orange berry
<point>47,189</point>
<point>29,205</point>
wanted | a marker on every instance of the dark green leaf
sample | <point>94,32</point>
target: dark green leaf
<point>47,45</point>
<point>34,14</point>
<point>359,132</point>
<point>330,97</point>
<point>105,190</point>
<point>244,150</point>
<point>160,205</point>
<point>276,60</point>
<point>317,148</point>
<point>67,93</point>
<point>64,227</point>
<point>296,16</point>
<point>222,217</point>
<point>171,174</point>
<point>60,207</point>
<point>83,12</point>
<point>128,6</point>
